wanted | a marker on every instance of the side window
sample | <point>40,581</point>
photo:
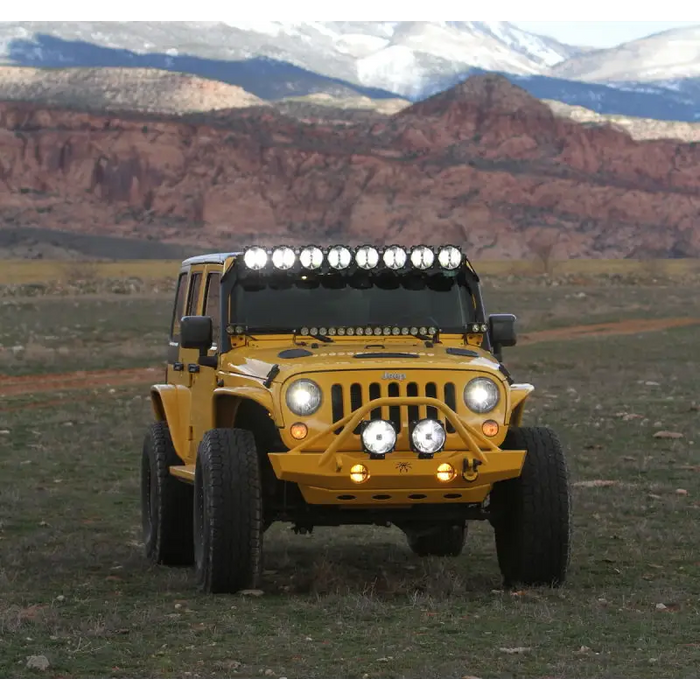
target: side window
<point>211,303</point>
<point>178,310</point>
<point>193,296</point>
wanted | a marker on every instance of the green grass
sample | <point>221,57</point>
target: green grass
<point>354,601</point>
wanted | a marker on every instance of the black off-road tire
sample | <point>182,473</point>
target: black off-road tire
<point>440,540</point>
<point>166,502</point>
<point>532,514</point>
<point>228,513</point>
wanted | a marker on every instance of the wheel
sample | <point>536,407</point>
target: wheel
<point>228,522</point>
<point>166,503</point>
<point>439,540</point>
<point>531,514</point>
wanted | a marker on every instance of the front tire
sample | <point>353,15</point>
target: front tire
<point>166,503</point>
<point>440,540</point>
<point>531,514</point>
<point>228,514</point>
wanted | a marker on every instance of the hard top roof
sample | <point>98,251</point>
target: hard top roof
<point>209,258</point>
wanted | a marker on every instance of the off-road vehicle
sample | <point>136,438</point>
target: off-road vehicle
<point>344,386</point>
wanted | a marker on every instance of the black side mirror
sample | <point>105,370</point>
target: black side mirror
<point>196,333</point>
<point>502,332</point>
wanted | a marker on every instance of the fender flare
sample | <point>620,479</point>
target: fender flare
<point>519,393</point>
<point>259,395</point>
<point>171,403</point>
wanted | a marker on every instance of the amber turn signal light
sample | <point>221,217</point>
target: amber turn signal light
<point>299,431</point>
<point>490,428</point>
<point>359,473</point>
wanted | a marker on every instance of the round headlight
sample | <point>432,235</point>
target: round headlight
<point>428,436</point>
<point>283,258</point>
<point>379,437</point>
<point>311,258</point>
<point>450,257</point>
<point>339,257</point>
<point>304,397</point>
<point>255,258</point>
<point>367,258</point>
<point>481,395</point>
<point>422,257</point>
<point>395,257</point>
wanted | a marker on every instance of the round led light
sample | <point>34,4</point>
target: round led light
<point>446,472</point>
<point>405,331</point>
<point>450,257</point>
<point>350,330</point>
<point>331,331</point>
<point>484,328</point>
<point>368,330</point>
<point>339,257</point>
<point>323,331</point>
<point>359,473</point>
<point>255,258</point>
<point>313,331</point>
<point>304,331</point>
<point>367,257</point>
<point>311,258</point>
<point>240,330</point>
<point>387,330</point>
<point>377,331</point>
<point>422,257</point>
<point>395,257</point>
<point>283,258</point>
<point>379,437</point>
<point>396,330</point>
<point>341,331</point>
<point>414,330</point>
<point>304,397</point>
<point>432,330</point>
<point>358,331</point>
<point>428,436</point>
<point>481,395</point>
<point>423,330</point>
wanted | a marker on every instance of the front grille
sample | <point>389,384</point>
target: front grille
<point>346,399</point>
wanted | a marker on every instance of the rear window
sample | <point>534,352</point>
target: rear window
<point>178,311</point>
<point>211,303</point>
<point>193,296</point>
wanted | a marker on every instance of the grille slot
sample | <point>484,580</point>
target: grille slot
<point>346,399</point>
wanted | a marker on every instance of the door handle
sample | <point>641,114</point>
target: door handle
<point>178,366</point>
<point>193,368</point>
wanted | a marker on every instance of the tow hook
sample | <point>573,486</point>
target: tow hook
<point>470,469</point>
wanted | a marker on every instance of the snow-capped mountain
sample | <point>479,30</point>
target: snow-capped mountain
<point>406,58</point>
<point>657,77</point>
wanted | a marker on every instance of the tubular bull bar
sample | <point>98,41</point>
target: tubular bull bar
<point>323,476</point>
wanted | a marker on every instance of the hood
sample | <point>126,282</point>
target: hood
<point>386,356</point>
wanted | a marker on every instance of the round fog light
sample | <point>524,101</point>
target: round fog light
<point>359,473</point>
<point>446,472</point>
<point>490,428</point>
<point>299,431</point>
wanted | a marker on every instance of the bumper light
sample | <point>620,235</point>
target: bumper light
<point>378,437</point>
<point>428,436</point>
<point>445,473</point>
<point>359,473</point>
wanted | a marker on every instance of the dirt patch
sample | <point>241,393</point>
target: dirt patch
<point>45,383</point>
<point>628,327</point>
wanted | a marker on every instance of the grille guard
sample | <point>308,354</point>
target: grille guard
<point>473,440</point>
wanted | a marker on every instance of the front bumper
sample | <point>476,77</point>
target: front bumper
<point>401,478</point>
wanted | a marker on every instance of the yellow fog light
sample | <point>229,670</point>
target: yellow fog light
<point>299,431</point>
<point>446,472</point>
<point>359,473</point>
<point>490,428</point>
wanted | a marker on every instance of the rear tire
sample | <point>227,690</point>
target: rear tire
<point>532,513</point>
<point>166,503</point>
<point>439,540</point>
<point>228,516</point>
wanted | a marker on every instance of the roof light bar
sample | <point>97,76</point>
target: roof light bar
<point>365,257</point>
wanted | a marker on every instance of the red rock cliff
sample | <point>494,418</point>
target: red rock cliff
<point>483,164</point>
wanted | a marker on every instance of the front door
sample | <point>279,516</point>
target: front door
<point>203,376</point>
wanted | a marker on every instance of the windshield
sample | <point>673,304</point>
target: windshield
<point>287,304</point>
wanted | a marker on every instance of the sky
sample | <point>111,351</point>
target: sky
<point>600,34</point>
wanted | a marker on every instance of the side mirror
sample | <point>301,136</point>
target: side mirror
<point>502,332</point>
<point>196,333</point>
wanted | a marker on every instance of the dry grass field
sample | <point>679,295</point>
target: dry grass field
<point>613,366</point>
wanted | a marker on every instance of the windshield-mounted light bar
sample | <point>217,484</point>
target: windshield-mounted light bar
<point>364,258</point>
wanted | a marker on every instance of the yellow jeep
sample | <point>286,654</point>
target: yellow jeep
<point>332,386</point>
